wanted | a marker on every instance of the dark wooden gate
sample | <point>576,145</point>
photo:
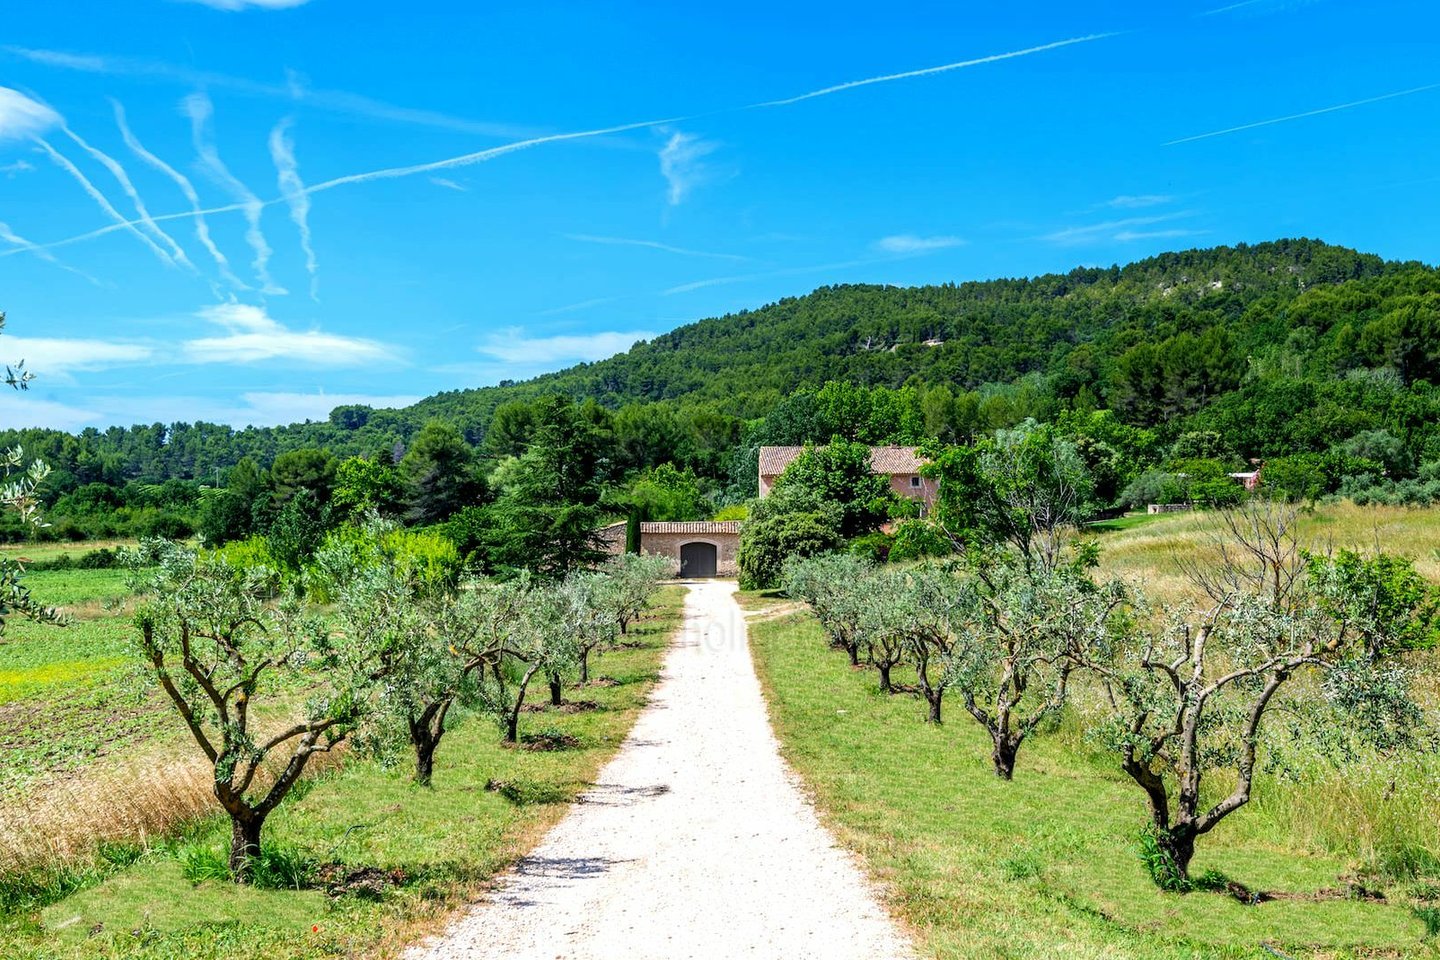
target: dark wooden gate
<point>697,560</point>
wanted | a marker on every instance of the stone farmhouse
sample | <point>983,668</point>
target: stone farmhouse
<point>901,464</point>
<point>707,548</point>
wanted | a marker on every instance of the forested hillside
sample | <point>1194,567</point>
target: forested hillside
<point>1264,351</point>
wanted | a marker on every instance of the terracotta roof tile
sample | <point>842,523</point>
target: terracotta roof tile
<point>774,460</point>
<point>883,460</point>
<point>691,526</point>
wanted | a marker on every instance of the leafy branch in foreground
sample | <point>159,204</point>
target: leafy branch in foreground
<point>19,491</point>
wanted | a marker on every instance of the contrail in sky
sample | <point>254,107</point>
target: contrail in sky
<point>120,222</point>
<point>480,156</point>
<point>927,71</point>
<point>200,110</point>
<point>121,177</point>
<point>651,245</point>
<point>1233,6</point>
<point>21,244</point>
<point>202,230</point>
<point>1301,116</point>
<point>292,188</point>
<point>252,206</point>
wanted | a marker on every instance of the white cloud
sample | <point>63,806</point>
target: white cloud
<point>22,118</point>
<point>1122,231</point>
<point>682,163</point>
<point>513,346</point>
<point>27,410</point>
<point>59,58</point>
<point>250,409</point>
<point>1139,201</point>
<point>19,166</point>
<point>53,355</point>
<point>252,336</point>
<point>1129,236</point>
<point>909,243</point>
<point>573,307</point>
<point>448,184</point>
<point>249,4</point>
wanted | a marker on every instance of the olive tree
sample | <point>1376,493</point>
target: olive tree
<point>1018,637</point>
<point>216,643</point>
<point>388,601</point>
<point>554,618</point>
<point>19,485</point>
<point>590,606</point>
<point>834,586</point>
<point>493,626</point>
<point>633,580</point>
<point>926,613</point>
<point>1194,690</point>
<point>879,627</point>
<point>536,630</point>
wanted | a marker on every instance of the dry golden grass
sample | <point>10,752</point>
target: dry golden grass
<point>141,799</point>
<point>1149,555</point>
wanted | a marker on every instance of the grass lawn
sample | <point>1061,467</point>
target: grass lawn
<point>1045,866</point>
<point>41,552</point>
<point>1127,522</point>
<point>488,806</point>
<point>63,699</point>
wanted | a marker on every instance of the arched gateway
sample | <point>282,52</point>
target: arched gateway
<point>697,559</point>
<point>700,548</point>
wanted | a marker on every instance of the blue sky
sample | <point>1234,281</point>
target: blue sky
<point>396,199</point>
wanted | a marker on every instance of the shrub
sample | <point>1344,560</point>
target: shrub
<point>166,526</point>
<point>248,554</point>
<point>874,547</point>
<point>432,555</point>
<point>766,544</point>
<point>918,539</point>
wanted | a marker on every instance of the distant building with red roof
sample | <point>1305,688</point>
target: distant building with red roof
<point>901,465</point>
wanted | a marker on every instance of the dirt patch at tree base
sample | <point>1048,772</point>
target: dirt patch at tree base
<point>546,741</point>
<point>369,883</point>
<point>1349,890</point>
<point>569,706</point>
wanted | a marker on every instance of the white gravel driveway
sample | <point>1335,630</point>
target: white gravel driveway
<point>695,842</point>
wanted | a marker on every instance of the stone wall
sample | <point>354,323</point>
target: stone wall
<point>611,539</point>
<point>668,545</point>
